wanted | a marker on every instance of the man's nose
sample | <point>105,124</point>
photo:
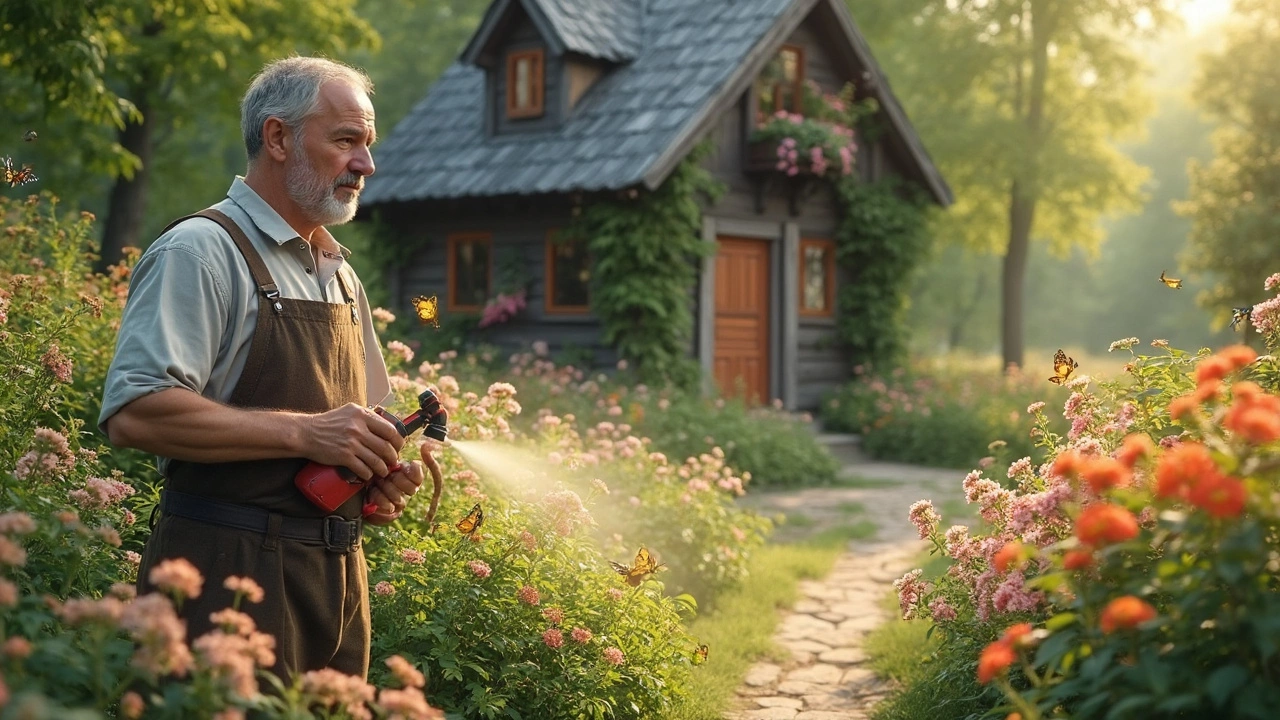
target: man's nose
<point>362,163</point>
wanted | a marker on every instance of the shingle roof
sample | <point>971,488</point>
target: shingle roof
<point>625,130</point>
<point>604,29</point>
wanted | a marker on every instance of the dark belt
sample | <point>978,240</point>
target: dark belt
<point>335,533</point>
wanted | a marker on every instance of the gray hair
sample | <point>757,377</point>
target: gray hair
<point>289,89</point>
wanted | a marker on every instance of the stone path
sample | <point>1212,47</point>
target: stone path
<point>826,677</point>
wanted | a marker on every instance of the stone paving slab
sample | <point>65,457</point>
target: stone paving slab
<point>826,677</point>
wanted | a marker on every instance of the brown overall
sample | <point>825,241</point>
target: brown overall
<point>305,356</point>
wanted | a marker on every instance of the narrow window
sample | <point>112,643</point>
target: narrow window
<point>470,264</point>
<point>525,78</point>
<point>568,275</point>
<point>817,277</point>
<point>780,86</point>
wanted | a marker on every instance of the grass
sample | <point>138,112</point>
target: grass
<point>740,630</point>
<point>851,508</point>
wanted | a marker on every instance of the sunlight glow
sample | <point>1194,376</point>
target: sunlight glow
<point>1199,13</point>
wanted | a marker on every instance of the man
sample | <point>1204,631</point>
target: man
<point>247,349</point>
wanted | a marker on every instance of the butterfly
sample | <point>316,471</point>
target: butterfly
<point>16,177</point>
<point>1062,367</point>
<point>30,136</point>
<point>472,521</point>
<point>1240,313</point>
<point>428,309</point>
<point>1174,283</point>
<point>644,564</point>
<point>700,654</point>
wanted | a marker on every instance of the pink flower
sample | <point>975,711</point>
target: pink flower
<point>613,656</point>
<point>9,593</point>
<point>528,595</point>
<point>245,586</point>
<point>411,556</point>
<point>383,315</point>
<point>553,638</point>
<point>528,540</point>
<point>580,635</point>
<point>613,594</point>
<point>1272,282</point>
<point>924,517</point>
<point>479,568</point>
<point>554,615</point>
<point>57,363</point>
<point>385,589</point>
<point>1035,407</point>
<point>400,350</point>
<point>177,576</point>
<point>942,612</point>
<point>405,672</point>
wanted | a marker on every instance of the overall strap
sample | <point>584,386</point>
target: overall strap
<point>347,296</point>
<point>257,268</point>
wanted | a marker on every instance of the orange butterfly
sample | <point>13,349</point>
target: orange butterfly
<point>428,310</point>
<point>1175,283</point>
<point>644,565</point>
<point>472,522</point>
<point>700,654</point>
<point>1063,366</point>
<point>16,177</point>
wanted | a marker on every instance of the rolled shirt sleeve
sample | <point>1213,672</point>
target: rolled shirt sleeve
<point>173,325</point>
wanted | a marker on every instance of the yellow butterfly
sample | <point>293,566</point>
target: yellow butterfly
<point>1174,283</point>
<point>1240,313</point>
<point>428,309</point>
<point>1062,367</point>
<point>472,521</point>
<point>644,564</point>
<point>700,655</point>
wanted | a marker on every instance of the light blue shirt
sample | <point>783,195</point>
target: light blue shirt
<point>193,306</point>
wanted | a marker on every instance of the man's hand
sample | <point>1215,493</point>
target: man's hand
<point>353,437</point>
<point>390,494</point>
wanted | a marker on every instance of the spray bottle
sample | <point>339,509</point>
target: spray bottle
<point>329,487</point>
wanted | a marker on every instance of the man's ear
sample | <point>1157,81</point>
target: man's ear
<point>277,140</point>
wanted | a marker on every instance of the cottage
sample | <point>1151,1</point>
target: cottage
<point>553,100</point>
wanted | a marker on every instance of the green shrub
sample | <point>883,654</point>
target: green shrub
<point>940,416</point>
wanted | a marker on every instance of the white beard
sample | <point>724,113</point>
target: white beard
<point>315,195</point>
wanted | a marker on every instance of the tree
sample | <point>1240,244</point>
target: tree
<point>1021,102</point>
<point>192,56</point>
<point>1234,199</point>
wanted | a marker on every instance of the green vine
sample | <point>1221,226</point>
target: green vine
<point>879,244</point>
<point>644,248</point>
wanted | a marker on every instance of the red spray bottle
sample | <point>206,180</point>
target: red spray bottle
<point>329,487</point>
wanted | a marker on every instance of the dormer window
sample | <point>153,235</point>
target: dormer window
<point>525,83</point>
<point>780,85</point>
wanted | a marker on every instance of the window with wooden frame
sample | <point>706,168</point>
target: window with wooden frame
<point>525,83</point>
<point>781,83</point>
<point>470,268</point>
<point>817,278</point>
<point>568,273</point>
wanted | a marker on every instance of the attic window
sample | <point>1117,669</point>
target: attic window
<point>525,78</point>
<point>779,87</point>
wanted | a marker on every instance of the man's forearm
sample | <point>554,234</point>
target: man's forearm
<point>181,424</point>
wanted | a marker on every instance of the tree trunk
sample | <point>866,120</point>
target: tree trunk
<point>127,207</point>
<point>1021,217</point>
<point>1025,190</point>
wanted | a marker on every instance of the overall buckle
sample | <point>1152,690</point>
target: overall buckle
<point>340,535</point>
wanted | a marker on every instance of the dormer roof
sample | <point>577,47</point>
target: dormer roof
<point>607,30</point>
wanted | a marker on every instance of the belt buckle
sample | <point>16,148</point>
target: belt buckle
<point>341,535</point>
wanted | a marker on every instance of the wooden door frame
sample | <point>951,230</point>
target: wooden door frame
<point>784,288</point>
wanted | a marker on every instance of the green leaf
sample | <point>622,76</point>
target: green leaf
<point>1224,681</point>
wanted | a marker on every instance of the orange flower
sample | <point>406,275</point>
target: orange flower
<point>1015,634</point>
<point>1135,447</point>
<point>1214,367</point>
<point>1077,559</point>
<point>1219,495</point>
<point>995,659</point>
<point>1207,390</point>
<point>1102,473</point>
<point>1124,613</point>
<point>1255,424</point>
<point>1010,554</point>
<point>1013,716</point>
<point>1066,464</point>
<point>1238,355</point>
<point>1182,406</point>
<point>1103,523</point>
<point>1181,467</point>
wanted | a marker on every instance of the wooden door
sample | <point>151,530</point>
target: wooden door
<point>742,318</point>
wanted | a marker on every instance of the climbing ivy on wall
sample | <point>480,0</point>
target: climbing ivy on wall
<point>645,249</point>
<point>880,242</point>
